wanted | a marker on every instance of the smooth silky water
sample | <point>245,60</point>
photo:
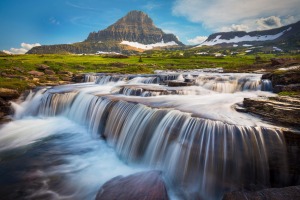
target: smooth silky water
<point>65,142</point>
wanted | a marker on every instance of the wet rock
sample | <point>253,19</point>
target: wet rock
<point>36,73</point>
<point>8,94</point>
<point>144,185</point>
<point>291,193</point>
<point>285,110</point>
<point>4,107</point>
<point>49,72</point>
<point>179,84</point>
<point>78,78</point>
<point>42,67</point>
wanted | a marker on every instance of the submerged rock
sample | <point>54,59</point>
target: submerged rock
<point>291,193</point>
<point>144,185</point>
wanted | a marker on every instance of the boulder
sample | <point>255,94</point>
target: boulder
<point>78,78</point>
<point>144,185</point>
<point>65,73</point>
<point>52,78</point>
<point>36,73</point>
<point>42,67</point>
<point>291,193</point>
<point>49,72</point>
<point>8,94</point>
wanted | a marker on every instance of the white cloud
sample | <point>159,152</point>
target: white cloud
<point>269,22</point>
<point>24,48</point>
<point>217,14</point>
<point>151,5</point>
<point>197,40</point>
<point>53,20</point>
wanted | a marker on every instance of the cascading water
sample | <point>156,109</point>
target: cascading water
<point>203,147</point>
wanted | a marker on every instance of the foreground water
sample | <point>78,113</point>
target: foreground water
<point>66,141</point>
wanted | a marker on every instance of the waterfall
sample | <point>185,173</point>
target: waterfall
<point>201,158</point>
<point>266,85</point>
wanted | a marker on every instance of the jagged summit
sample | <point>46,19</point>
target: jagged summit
<point>136,26</point>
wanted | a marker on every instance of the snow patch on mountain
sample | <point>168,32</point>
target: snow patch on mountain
<point>245,38</point>
<point>149,46</point>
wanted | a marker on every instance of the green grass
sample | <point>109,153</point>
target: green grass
<point>151,61</point>
<point>289,93</point>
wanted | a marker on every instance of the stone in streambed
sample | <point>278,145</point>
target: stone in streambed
<point>144,185</point>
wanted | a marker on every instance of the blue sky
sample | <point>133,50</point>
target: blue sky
<point>27,23</point>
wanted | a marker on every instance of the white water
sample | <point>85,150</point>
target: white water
<point>223,150</point>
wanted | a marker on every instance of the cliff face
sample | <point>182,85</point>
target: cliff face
<point>136,26</point>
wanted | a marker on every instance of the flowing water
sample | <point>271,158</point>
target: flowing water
<point>66,141</point>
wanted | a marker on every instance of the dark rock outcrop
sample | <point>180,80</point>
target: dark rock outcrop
<point>143,185</point>
<point>290,193</point>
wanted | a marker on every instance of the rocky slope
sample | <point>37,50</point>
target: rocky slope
<point>136,27</point>
<point>283,37</point>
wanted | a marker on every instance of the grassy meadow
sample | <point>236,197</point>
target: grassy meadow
<point>14,68</point>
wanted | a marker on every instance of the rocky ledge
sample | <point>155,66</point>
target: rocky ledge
<point>283,109</point>
<point>144,185</point>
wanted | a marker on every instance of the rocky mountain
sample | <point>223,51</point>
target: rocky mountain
<point>136,26</point>
<point>2,53</point>
<point>286,36</point>
<point>133,32</point>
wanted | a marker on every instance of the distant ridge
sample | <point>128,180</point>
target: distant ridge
<point>2,53</point>
<point>289,35</point>
<point>133,32</point>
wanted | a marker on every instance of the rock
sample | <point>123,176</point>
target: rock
<point>78,78</point>
<point>289,193</point>
<point>286,88</point>
<point>279,61</point>
<point>179,84</point>
<point>286,77</point>
<point>285,110</point>
<point>267,76</point>
<point>8,94</point>
<point>49,72</point>
<point>4,107</point>
<point>66,78</point>
<point>144,185</point>
<point>36,73</point>
<point>52,78</point>
<point>18,69</point>
<point>42,67</point>
<point>65,72</point>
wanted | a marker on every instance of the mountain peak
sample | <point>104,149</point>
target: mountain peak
<point>136,26</point>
